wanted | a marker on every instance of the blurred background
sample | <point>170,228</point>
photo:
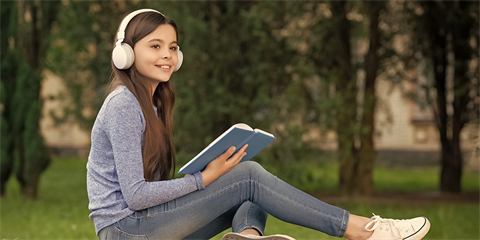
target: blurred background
<point>375,104</point>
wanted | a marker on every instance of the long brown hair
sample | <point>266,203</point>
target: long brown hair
<point>158,150</point>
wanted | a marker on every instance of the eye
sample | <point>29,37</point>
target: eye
<point>174,48</point>
<point>156,46</point>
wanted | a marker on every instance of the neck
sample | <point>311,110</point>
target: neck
<point>152,90</point>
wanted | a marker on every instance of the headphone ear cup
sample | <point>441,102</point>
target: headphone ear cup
<point>180,60</point>
<point>123,56</point>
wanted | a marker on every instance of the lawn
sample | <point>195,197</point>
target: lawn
<point>61,210</point>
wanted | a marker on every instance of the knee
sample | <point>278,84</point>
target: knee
<point>252,167</point>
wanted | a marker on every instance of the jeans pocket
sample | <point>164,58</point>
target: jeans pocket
<point>121,235</point>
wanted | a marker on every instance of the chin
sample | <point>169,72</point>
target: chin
<point>161,78</point>
<point>164,79</point>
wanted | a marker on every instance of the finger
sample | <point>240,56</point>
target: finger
<point>236,160</point>
<point>241,157</point>
<point>240,154</point>
<point>227,153</point>
<point>242,150</point>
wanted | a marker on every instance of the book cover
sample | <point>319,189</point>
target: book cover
<point>238,135</point>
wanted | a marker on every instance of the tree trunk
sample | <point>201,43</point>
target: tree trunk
<point>7,149</point>
<point>7,86</point>
<point>460,32</point>
<point>346,90</point>
<point>367,153</point>
<point>457,24</point>
<point>438,53</point>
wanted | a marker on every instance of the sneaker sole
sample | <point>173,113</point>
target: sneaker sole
<point>237,236</point>
<point>421,232</point>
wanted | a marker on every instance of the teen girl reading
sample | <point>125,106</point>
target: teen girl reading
<point>131,193</point>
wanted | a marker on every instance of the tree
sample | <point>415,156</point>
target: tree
<point>356,162</point>
<point>331,51</point>
<point>7,88</point>
<point>21,80</point>
<point>448,28</point>
<point>367,153</point>
<point>346,92</point>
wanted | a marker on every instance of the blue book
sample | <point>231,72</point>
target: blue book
<point>238,135</point>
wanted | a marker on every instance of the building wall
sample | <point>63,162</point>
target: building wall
<point>67,139</point>
<point>396,125</point>
<point>407,132</point>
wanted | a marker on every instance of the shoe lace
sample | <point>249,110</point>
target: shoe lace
<point>397,226</point>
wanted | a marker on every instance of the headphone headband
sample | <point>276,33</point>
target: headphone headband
<point>126,20</point>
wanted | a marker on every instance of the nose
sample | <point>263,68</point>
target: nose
<point>166,54</point>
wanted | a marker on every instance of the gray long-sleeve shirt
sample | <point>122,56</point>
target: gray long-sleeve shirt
<point>115,181</point>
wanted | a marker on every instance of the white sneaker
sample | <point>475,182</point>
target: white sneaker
<point>237,236</point>
<point>410,229</point>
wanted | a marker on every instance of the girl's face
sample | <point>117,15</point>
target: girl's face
<point>156,55</point>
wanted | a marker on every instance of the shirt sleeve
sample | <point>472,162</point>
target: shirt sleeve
<point>125,127</point>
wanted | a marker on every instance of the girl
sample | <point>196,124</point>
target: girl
<point>132,155</point>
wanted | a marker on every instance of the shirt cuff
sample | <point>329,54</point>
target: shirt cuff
<point>199,180</point>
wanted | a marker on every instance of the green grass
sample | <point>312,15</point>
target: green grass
<point>61,210</point>
<point>448,221</point>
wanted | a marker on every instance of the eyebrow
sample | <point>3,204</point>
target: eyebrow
<point>160,40</point>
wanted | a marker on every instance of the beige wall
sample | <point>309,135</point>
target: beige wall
<point>65,136</point>
<point>396,128</point>
<point>411,127</point>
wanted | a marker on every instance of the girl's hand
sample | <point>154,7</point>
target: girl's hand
<point>222,164</point>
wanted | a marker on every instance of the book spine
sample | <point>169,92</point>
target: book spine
<point>240,145</point>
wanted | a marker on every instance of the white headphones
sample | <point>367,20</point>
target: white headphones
<point>122,55</point>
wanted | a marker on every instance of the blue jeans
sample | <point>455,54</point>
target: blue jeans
<point>239,199</point>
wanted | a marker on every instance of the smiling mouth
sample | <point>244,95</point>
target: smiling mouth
<point>163,66</point>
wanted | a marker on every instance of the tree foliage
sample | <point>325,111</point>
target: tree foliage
<point>266,63</point>
<point>237,67</point>
<point>286,67</point>
<point>24,150</point>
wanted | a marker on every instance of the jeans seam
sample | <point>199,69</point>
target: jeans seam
<point>293,202</point>
<point>246,217</point>
<point>118,230</point>
<point>344,225</point>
